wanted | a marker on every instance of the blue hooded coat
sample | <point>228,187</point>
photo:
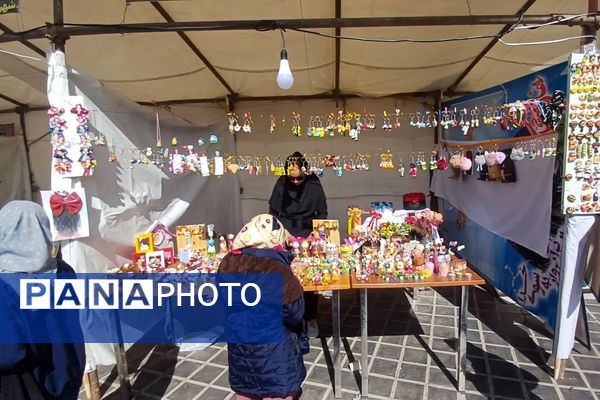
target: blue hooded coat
<point>277,369</point>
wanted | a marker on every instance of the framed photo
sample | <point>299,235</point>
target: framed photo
<point>143,242</point>
<point>138,259</point>
<point>155,260</point>
<point>169,255</point>
<point>191,238</point>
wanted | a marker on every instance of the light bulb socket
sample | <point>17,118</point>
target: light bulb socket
<point>283,55</point>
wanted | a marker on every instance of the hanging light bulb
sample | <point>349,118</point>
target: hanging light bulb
<point>285,79</point>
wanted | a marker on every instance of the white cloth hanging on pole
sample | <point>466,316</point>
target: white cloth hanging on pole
<point>572,275</point>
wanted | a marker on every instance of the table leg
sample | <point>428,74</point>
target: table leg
<point>559,368</point>
<point>462,338</point>
<point>337,359</point>
<point>364,345</point>
<point>92,386</point>
<point>123,371</point>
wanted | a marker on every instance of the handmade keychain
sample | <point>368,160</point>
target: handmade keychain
<point>273,124</point>
<point>413,167</point>
<point>433,161</point>
<point>234,126</point>
<point>387,160</point>
<point>296,129</point>
<point>475,117</point>
<point>319,130</point>
<point>421,161</point>
<point>517,153</point>
<point>397,121</point>
<point>247,126</point>
<point>330,124</point>
<point>387,124</point>
<point>401,168</point>
<point>442,163</point>
<point>310,128</point>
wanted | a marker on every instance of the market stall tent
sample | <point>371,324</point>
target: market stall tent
<point>225,55</point>
<point>160,66</point>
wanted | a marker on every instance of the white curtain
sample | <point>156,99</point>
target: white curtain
<point>125,199</point>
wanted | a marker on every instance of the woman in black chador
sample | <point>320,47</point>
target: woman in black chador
<point>296,200</point>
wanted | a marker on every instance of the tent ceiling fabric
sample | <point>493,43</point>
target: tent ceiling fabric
<point>155,67</point>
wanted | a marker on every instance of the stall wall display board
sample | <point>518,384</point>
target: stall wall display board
<point>582,144</point>
<point>513,269</point>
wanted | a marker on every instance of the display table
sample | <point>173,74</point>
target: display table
<point>374,282</point>
<point>343,283</point>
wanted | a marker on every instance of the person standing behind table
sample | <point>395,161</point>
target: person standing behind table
<point>296,200</point>
<point>32,371</point>
<point>273,371</point>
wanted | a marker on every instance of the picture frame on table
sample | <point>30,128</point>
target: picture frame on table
<point>155,260</point>
<point>169,255</point>
<point>144,243</point>
<point>138,258</point>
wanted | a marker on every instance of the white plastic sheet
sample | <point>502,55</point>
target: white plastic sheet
<point>123,200</point>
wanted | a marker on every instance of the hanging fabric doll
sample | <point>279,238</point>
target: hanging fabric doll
<point>65,212</point>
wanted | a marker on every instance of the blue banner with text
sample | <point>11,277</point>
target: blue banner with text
<point>141,308</point>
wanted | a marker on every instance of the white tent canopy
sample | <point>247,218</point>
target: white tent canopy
<point>161,66</point>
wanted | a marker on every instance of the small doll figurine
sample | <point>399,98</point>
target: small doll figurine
<point>222,245</point>
<point>322,233</point>
<point>212,249</point>
<point>139,266</point>
<point>332,251</point>
<point>230,238</point>
<point>305,246</point>
<point>295,249</point>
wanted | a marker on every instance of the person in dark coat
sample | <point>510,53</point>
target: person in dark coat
<point>276,370</point>
<point>34,371</point>
<point>296,200</point>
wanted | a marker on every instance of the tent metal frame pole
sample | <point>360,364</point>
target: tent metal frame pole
<point>63,32</point>
<point>25,43</point>
<point>58,39</point>
<point>22,111</point>
<point>11,100</point>
<point>490,45</point>
<point>320,96</point>
<point>588,28</point>
<point>338,45</point>
<point>193,47</point>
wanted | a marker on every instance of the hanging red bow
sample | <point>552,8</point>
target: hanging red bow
<point>375,217</point>
<point>72,203</point>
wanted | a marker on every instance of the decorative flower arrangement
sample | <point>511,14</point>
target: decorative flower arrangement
<point>389,230</point>
<point>423,222</point>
